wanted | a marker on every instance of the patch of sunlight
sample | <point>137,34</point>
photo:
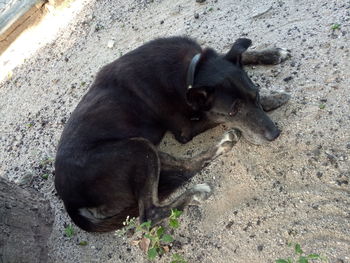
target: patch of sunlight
<point>37,36</point>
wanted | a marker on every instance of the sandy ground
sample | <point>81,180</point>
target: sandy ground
<point>295,189</point>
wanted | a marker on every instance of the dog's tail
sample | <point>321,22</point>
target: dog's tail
<point>88,221</point>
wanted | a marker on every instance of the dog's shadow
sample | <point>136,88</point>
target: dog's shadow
<point>198,144</point>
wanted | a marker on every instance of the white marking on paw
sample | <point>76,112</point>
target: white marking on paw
<point>197,198</point>
<point>227,137</point>
<point>220,151</point>
<point>223,146</point>
<point>201,192</point>
<point>284,53</point>
<point>202,188</point>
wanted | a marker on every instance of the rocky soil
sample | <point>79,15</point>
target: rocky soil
<point>295,189</point>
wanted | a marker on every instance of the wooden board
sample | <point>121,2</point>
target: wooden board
<point>25,224</point>
<point>16,18</point>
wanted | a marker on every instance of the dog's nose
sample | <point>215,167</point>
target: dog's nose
<point>272,135</point>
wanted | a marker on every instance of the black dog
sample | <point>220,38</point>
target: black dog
<point>107,163</point>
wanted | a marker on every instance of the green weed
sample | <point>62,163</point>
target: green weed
<point>69,231</point>
<point>158,236</point>
<point>335,26</point>
<point>300,257</point>
<point>46,161</point>
<point>178,259</point>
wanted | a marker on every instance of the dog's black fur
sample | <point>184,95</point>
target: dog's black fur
<point>107,165</point>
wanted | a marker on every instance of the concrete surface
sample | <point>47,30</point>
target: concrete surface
<point>16,16</point>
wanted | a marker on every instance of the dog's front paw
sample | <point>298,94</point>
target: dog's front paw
<point>282,55</point>
<point>201,192</point>
<point>273,100</point>
<point>227,142</point>
<point>273,56</point>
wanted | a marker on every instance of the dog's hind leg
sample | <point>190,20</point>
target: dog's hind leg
<point>271,56</point>
<point>159,181</point>
<point>176,171</point>
<point>145,184</point>
<point>155,212</point>
<point>144,178</point>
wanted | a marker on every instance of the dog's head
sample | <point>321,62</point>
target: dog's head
<point>224,91</point>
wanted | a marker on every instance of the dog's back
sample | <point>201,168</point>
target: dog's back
<point>133,96</point>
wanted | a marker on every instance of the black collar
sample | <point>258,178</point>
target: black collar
<point>191,70</point>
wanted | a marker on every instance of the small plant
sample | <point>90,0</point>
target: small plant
<point>129,224</point>
<point>322,106</point>
<point>46,161</point>
<point>174,218</point>
<point>156,237</point>
<point>300,257</point>
<point>178,259</point>
<point>45,176</point>
<point>335,26</point>
<point>9,75</point>
<point>83,243</point>
<point>69,231</point>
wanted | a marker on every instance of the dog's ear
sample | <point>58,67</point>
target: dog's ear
<point>200,98</point>
<point>235,54</point>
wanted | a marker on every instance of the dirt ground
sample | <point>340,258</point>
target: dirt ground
<point>295,189</point>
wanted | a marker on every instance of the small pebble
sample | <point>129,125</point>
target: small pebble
<point>288,78</point>
<point>110,44</point>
